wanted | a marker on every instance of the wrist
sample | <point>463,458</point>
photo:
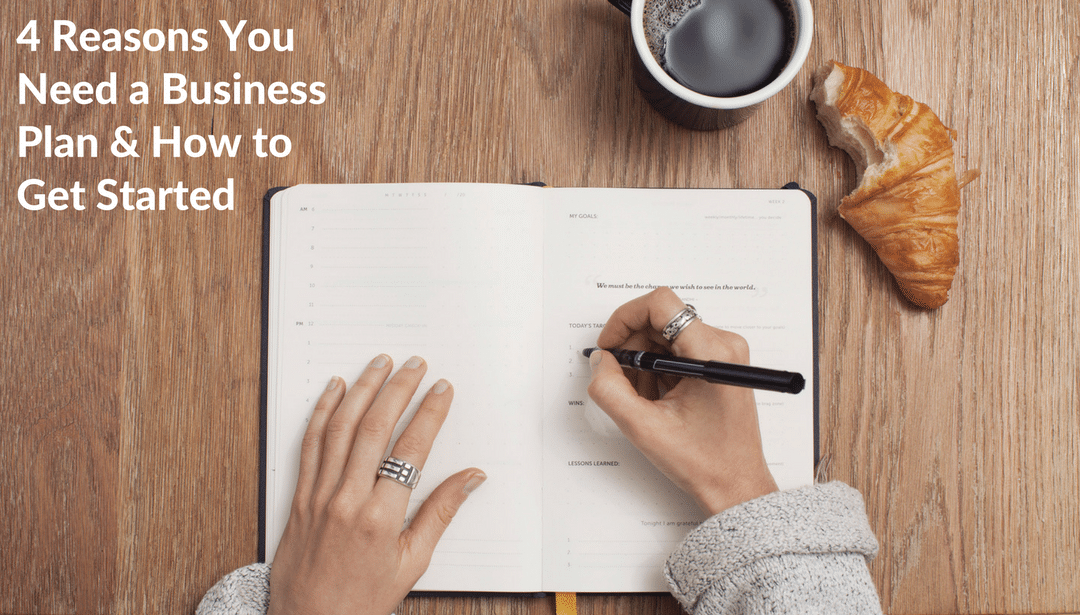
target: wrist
<point>742,490</point>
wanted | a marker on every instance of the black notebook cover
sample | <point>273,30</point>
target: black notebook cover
<point>264,363</point>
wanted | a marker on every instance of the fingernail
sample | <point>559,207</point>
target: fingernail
<point>379,361</point>
<point>474,482</point>
<point>414,363</point>
<point>594,358</point>
<point>330,386</point>
<point>440,387</point>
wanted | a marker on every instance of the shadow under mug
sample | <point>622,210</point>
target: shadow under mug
<point>697,111</point>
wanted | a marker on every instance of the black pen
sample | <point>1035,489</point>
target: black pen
<point>710,371</point>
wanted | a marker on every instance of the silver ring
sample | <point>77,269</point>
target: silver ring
<point>401,471</point>
<point>679,322</point>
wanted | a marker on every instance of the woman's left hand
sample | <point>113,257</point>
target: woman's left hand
<point>344,549</point>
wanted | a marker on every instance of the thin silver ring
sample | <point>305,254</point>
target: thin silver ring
<point>401,471</point>
<point>679,322</point>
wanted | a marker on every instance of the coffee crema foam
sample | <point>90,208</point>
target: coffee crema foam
<point>757,39</point>
<point>660,17</point>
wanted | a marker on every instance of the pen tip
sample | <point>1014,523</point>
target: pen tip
<point>588,351</point>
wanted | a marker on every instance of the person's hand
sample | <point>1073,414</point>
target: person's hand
<point>702,436</point>
<point>344,549</point>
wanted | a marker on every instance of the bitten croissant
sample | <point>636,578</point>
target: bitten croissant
<point>907,200</point>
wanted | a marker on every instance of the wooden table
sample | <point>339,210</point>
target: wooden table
<point>130,345</point>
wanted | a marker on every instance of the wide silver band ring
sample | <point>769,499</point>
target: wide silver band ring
<point>679,322</point>
<point>401,471</point>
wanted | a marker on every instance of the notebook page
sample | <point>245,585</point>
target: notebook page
<point>743,259</point>
<point>446,272</point>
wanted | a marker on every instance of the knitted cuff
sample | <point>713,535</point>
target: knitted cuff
<point>244,591</point>
<point>819,519</point>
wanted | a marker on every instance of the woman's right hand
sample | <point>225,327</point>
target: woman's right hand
<point>702,436</point>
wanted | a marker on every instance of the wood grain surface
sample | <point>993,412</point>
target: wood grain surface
<point>130,341</point>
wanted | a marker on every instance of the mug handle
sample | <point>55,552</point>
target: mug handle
<point>622,5</point>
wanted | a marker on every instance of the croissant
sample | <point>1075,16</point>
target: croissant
<point>907,199</point>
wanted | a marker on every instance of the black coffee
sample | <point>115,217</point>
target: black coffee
<point>730,47</point>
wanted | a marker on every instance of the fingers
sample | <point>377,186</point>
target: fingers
<point>611,390</point>
<point>346,438</point>
<point>415,442</point>
<point>646,316</point>
<point>377,427</point>
<point>342,425</point>
<point>647,313</point>
<point>311,448</point>
<point>435,515</point>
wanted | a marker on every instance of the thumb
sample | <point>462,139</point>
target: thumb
<point>611,390</point>
<point>435,516</point>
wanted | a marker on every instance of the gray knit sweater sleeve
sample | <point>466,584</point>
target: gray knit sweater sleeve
<point>799,551</point>
<point>244,591</point>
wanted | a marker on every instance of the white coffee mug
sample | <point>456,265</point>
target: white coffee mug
<point>698,111</point>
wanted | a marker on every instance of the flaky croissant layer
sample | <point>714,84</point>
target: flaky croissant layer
<point>907,200</point>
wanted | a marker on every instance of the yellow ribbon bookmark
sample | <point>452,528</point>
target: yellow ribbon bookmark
<point>565,603</point>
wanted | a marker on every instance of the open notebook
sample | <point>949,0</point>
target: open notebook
<point>499,288</point>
